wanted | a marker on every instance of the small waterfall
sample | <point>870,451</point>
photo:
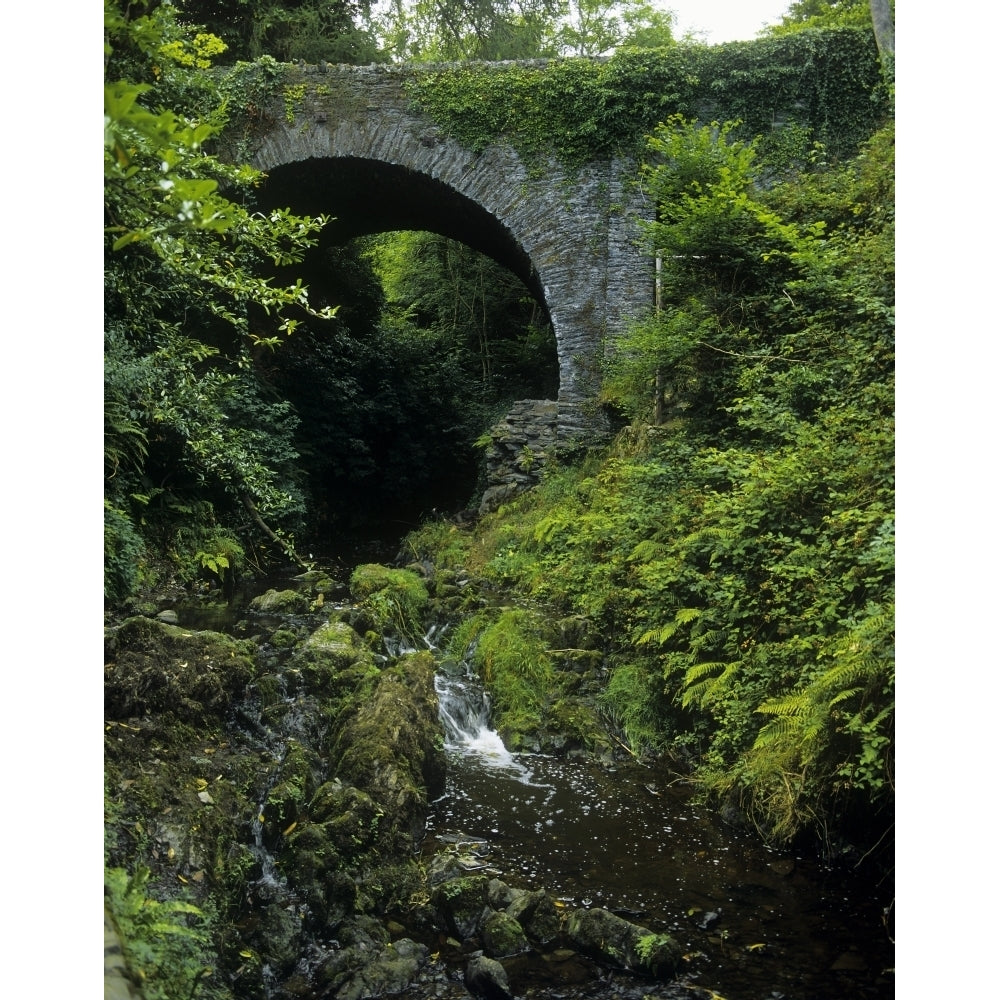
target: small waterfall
<point>464,708</point>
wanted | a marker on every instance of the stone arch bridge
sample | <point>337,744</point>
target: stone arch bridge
<point>351,146</point>
<point>346,141</point>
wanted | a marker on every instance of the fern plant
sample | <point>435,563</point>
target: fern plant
<point>835,733</point>
<point>167,945</point>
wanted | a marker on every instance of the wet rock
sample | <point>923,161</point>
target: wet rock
<point>366,964</point>
<point>393,748</point>
<point>503,936</point>
<point>445,867</point>
<point>462,903</point>
<point>537,914</point>
<point>389,971</point>
<point>617,942</point>
<point>281,602</point>
<point>565,966</point>
<point>486,979</point>
<point>334,661</point>
<point>501,895</point>
<point>316,581</point>
<point>163,668</point>
<point>277,938</point>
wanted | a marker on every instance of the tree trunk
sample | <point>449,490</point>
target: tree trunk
<point>280,542</point>
<point>885,30</point>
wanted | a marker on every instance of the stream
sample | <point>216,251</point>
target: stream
<point>753,924</point>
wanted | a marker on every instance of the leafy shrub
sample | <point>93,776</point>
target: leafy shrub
<point>739,557</point>
<point>512,657</point>
<point>123,551</point>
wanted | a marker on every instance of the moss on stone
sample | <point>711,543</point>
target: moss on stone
<point>392,746</point>
<point>503,936</point>
<point>393,600</point>
<point>164,668</point>
<point>281,602</point>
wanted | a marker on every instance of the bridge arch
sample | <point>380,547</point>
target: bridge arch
<point>368,197</point>
<point>572,237</point>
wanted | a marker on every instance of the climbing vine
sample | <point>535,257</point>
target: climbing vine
<point>826,81</point>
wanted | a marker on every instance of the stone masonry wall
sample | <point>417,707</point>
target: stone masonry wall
<point>583,250</point>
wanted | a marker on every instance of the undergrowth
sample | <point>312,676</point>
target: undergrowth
<point>737,557</point>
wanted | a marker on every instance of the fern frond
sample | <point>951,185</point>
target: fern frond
<point>665,632</point>
<point>647,550</point>
<point>777,731</point>
<point>548,527</point>
<point>702,685</point>
<point>657,636</point>
<point>790,705</point>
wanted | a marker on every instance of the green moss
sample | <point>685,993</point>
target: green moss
<point>513,660</point>
<point>159,667</point>
<point>393,600</point>
<point>281,602</point>
<point>284,639</point>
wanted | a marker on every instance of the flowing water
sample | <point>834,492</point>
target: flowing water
<point>754,924</point>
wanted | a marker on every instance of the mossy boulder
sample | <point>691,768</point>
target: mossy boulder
<point>367,964</point>
<point>285,801</point>
<point>386,973</point>
<point>159,667</point>
<point>537,914</point>
<point>486,979</point>
<point>391,600</point>
<point>333,661</point>
<point>462,904</point>
<point>618,942</point>
<point>503,936</point>
<point>393,746</point>
<point>281,602</point>
<point>316,581</point>
<point>284,638</point>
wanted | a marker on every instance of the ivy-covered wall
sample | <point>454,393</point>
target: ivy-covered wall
<point>827,82</point>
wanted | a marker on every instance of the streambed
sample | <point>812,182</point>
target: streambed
<point>754,924</point>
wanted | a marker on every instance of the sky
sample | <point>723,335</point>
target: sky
<point>725,20</point>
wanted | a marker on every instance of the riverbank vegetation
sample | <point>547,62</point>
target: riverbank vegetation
<point>737,553</point>
<point>722,570</point>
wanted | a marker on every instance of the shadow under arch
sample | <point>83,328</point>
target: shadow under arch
<point>366,197</point>
<point>363,485</point>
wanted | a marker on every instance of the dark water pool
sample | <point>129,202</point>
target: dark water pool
<point>754,924</point>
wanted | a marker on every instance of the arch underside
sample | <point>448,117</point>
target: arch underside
<point>384,170</point>
<point>366,197</point>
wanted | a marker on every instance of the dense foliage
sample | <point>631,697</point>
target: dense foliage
<point>735,548</point>
<point>287,30</point>
<point>222,450</point>
<point>191,432</point>
<point>738,556</point>
<point>580,109</point>
<point>459,30</point>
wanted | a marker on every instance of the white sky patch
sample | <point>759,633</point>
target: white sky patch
<point>717,21</point>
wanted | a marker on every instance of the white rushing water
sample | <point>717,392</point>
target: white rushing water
<point>464,707</point>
